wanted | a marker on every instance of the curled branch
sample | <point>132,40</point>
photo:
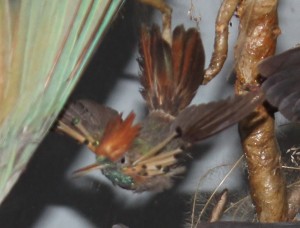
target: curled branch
<point>219,55</point>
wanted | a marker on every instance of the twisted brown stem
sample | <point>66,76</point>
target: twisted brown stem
<point>257,40</point>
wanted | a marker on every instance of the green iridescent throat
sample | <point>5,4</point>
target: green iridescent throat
<point>114,174</point>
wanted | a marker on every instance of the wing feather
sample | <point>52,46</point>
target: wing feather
<point>282,84</point>
<point>93,116</point>
<point>198,122</point>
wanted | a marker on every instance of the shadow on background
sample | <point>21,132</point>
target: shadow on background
<point>44,184</point>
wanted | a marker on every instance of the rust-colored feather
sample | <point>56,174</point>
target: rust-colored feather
<point>188,64</point>
<point>170,75</point>
<point>156,67</point>
<point>145,62</point>
<point>118,137</point>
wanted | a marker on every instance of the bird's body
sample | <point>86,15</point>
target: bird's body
<point>125,171</point>
<point>146,156</point>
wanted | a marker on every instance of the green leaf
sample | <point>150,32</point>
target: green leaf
<point>44,47</point>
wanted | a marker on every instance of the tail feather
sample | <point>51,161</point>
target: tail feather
<point>198,122</point>
<point>170,75</point>
<point>188,64</point>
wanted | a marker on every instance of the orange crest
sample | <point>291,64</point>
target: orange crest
<point>118,137</point>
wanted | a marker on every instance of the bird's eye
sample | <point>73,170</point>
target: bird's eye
<point>178,131</point>
<point>123,160</point>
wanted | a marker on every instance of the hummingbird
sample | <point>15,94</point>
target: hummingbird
<point>147,156</point>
